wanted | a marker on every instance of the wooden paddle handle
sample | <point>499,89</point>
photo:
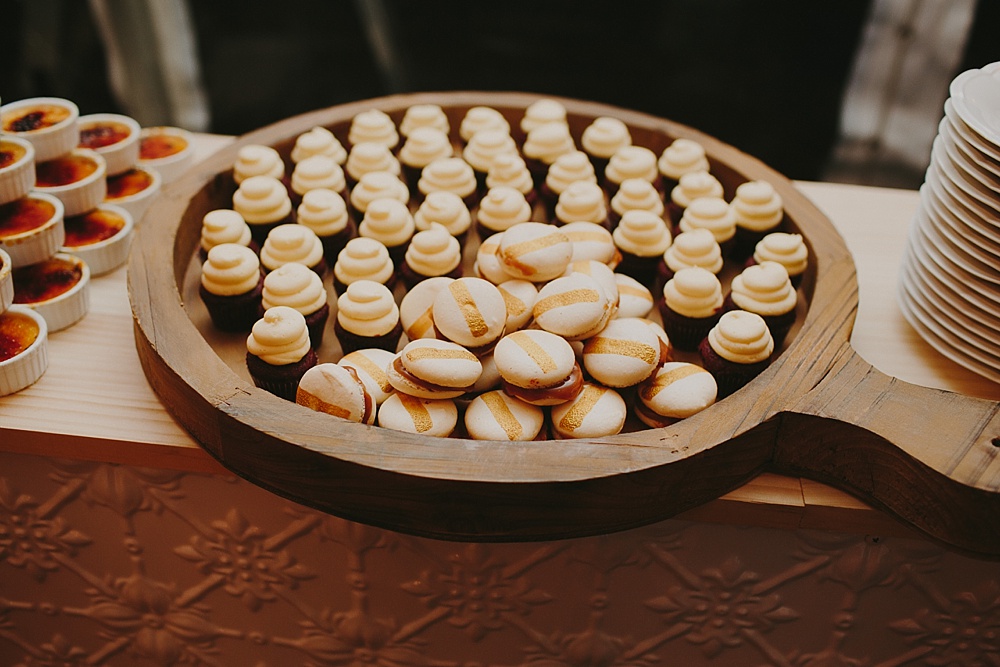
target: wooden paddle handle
<point>930,457</point>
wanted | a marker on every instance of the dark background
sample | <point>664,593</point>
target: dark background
<point>765,76</point>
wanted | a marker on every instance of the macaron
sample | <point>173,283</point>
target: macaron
<point>496,415</point>
<point>634,298</point>
<point>487,265</point>
<point>423,416</point>
<point>677,390</point>
<point>471,312</point>
<point>370,365</point>
<point>538,367</point>
<point>624,354</point>
<point>415,308</point>
<point>431,368</point>
<point>338,391</point>
<point>520,297</point>
<point>591,241</point>
<point>535,251</point>
<point>597,411</point>
<point>574,307</point>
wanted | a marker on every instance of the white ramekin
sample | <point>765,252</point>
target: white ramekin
<point>83,195</point>
<point>40,243</point>
<point>107,255</point>
<point>6,281</point>
<point>16,180</point>
<point>55,140</point>
<point>173,166</point>
<point>137,203</point>
<point>69,307</point>
<point>24,369</point>
<point>120,156</point>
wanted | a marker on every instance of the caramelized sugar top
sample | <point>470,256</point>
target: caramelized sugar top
<point>63,170</point>
<point>17,333</point>
<point>92,227</point>
<point>46,280</point>
<point>103,133</point>
<point>10,153</point>
<point>155,146</point>
<point>23,215</point>
<point>128,183</point>
<point>32,118</point>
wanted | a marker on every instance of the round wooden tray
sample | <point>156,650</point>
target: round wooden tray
<point>926,456</point>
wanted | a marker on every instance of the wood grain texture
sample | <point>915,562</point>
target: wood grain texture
<point>460,489</point>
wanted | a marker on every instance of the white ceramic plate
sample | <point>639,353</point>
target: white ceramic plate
<point>982,294</point>
<point>981,159</point>
<point>974,219</point>
<point>958,234</point>
<point>937,300</point>
<point>976,95</point>
<point>967,133</point>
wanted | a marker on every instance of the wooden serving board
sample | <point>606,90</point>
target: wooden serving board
<point>927,456</point>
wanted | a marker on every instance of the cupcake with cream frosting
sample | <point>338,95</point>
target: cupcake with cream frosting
<point>423,115</point>
<point>368,157</point>
<point>635,194</point>
<point>542,112</point>
<point>389,221</point>
<point>786,249</point>
<point>314,173</point>
<point>432,252</point>
<point>695,248</point>
<point>293,243</point>
<point>543,145</point>
<point>642,237</point>
<point>373,125</point>
<point>258,160</point>
<point>325,213</point>
<point>224,225</point>
<point>482,150</point>
<point>451,174</point>
<point>500,209</point>
<point>376,185</point>
<point>231,286</point>
<point>319,141</point>
<point>682,156</point>
<point>423,146</point>
<point>582,201</point>
<point>691,305</point>
<point>691,186</point>
<point>713,214</point>
<point>567,169</point>
<point>367,317</point>
<point>629,162</point>
<point>296,286</point>
<point>278,351</point>
<point>765,289</point>
<point>509,170</point>
<point>602,138</point>
<point>480,118</point>
<point>445,208</point>
<point>363,259</point>
<point>264,204</point>
<point>736,350</point>
<point>759,211</point>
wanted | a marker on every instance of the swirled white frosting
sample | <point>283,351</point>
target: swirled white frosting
<point>502,208</point>
<point>423,146</point>
<point>433,251</point>
<point>542,112</point>
<point>373,125</point>
<point>604,136</point>
<point>378,185</point>
<point>631,162</point>
<point>509,170</point>
<point>452,174</point>
<point>787,249</point>
<point>230,269</point>
<point>693,185</point>
<point>279,338</point>
<point>642,233</point>
<point>693,292</point>
<point>764,289</point>
<point>741,337</point>
<point>711,213</point>
<point>582,201</point>
<point>224,225</point>
<point>484,147</point>
<point>363,259</point>
<point>637,194</point>
<point>368,157</point>
<point>681,157</point>
<point>445,208</point>
<point>388,221</point>
<point>697,247</point>
<point>477,119</point>
<point>367,308</point>
<point>315,172</point>
<point>296,286</point>
<point>423,115</point>
<point>547,142</point>
<point>758,206</point>
<point>262,199</point>
<point>569,168</point>
<point>257,160</point>
<point>323,211</point>
<point>291,243</point>
<point>319,141</point>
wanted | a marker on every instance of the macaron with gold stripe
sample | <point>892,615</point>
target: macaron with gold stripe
<point>471,312</point>
<point>520,297</point>
<point>535,251</point>
<point>415,308</point>
<point>677,391</point>
<point>370,365</point>
<point>625,353</point>
<point>338,391</point>
<point>436,417</point>
<point>634,298</point>
<point>596,412</point>
<point>538,367</point>
<point>574,307</point>
<point>495,415</point>
<point>431,368</point>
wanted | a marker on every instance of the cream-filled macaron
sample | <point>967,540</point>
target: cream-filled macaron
<point>495,415</point>
<point>416,308</point>
<point>678,390</point>
<point>591,241</point>
<point>574,307</point>
<point>431,368</point>
<point>603,274</point>
<point>488,265</point>
<point>471,312</point>
<point>520,297</point>
<point>538,367</point>
<point>338,391</point>
<point>625,353</point>
<point>596,412</point>
<point>535,251</point>
<point>634,298</point>
<point>435,417</point>
<point>371,365</point>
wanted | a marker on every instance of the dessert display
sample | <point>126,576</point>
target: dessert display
<point>57,288</point>
<point>166,150</point>
<point>49,123</point>
<point>114,136</point>
<point>101,237</point>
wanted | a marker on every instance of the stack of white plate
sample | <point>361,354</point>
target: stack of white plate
<point>949,288</point>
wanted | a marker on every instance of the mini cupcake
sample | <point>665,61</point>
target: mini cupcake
<point>596,412</point>
<point>278,351</point>
<point>77,179</point>
<point>296,286</point>
<point>635,194</point>
<point>677,391</point>
<point>17,168</point>
<point>543,145</point>
<point>444,208</point>
<point>318,141</point>
<point>368,157</point>
<point>765,289</point>
<point>376,185</point>
<point>431,253</point>
<point>789,250</point>
<point>325,213</point>
<point>293,243</point>
<point>423,115</point>
<point>500,209</point>
<point>479,118</point>
<point>681,157</point>
<point>713,214</point>
<point>338,391</point>
<point>591,241</point>
<point>542,112</point>
<point>264,204</point>
<point>602,138</point>
<point>373,126</point>
<point>573,306</point>
<point>759,212</point>
<point>641,237</point>
<point>629,162</point>
<point>258,160</point>
<point>482,150</point>
<point>416,309</point>
<point>101,237</point>
<point>691,186</point>
<point>509,170</point>
<point>624,354</point>
<point>370,365</point>
<point>535,251</point>
<point>434,417</point>
<point>224,225</point>
<point>538,367</point>
<point>494,415</point>
<point>32,228</point>
<point>430,368</point>
<point>568,168</point>
<point>691,305</point>
<point>367,317</point>
<point>231,287</point>
<point>695,248</point>
<point>582,201</point>
<point>314,173</point>
<point>389,221</point>
<point>451,175</point>
<point>363,259</point>
<point>470,312</point>
<point>736,350</point>
<point>423,146</point>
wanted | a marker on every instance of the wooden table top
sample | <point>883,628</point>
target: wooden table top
<point>94,401</point>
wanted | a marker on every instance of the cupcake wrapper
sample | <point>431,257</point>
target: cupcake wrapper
<point>351,342</point>
<point>282,381</point>
<point>236,313</point>
<point>685,333</point>
<point>729,376</point>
